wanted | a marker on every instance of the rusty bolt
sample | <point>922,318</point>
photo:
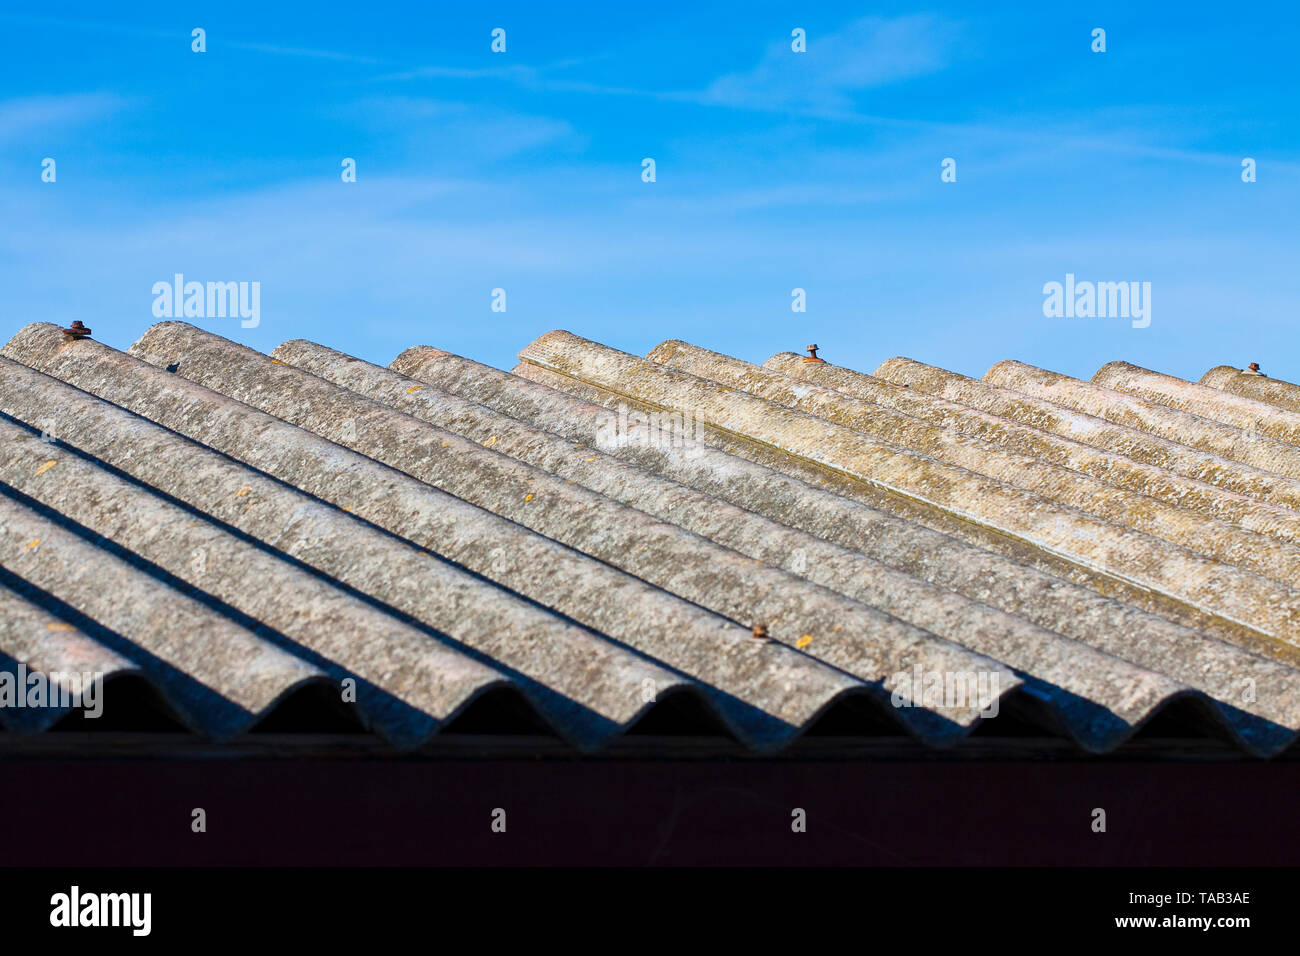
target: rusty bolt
<point>77,331</point>
<point>1254,366</point>
<point>812,355</point>
<point>760,632</point>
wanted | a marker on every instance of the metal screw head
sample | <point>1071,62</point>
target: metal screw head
<point>760,632</point>
<point>1254,366</point>
<point>77,331</point>
<point>812,354</point>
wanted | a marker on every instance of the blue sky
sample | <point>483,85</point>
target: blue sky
<point>775,170</point>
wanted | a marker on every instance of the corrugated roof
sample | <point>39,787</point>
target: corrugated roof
<point>597,534</point>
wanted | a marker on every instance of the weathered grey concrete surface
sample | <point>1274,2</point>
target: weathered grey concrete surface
<point>766,691</point>
<point>1124,690</point>
<point>910,514</point>
<point>1126,493</point>
<point>1274,391</point>
<point>1201,400</point>
<point>1222,588</point>
<point>1129,442</point>
<point>568,552</point>
<point>1254,447</point>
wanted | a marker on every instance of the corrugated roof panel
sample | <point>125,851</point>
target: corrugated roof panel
<point>440,529</point>
<point>1119,439</point>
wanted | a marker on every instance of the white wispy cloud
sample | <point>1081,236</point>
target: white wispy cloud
<point>868,53</point>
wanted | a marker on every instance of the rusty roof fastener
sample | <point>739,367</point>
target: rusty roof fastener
<point>812,355</point>
<point>760,632</point>
<point>77,331</point>
<point>1254,367</point>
